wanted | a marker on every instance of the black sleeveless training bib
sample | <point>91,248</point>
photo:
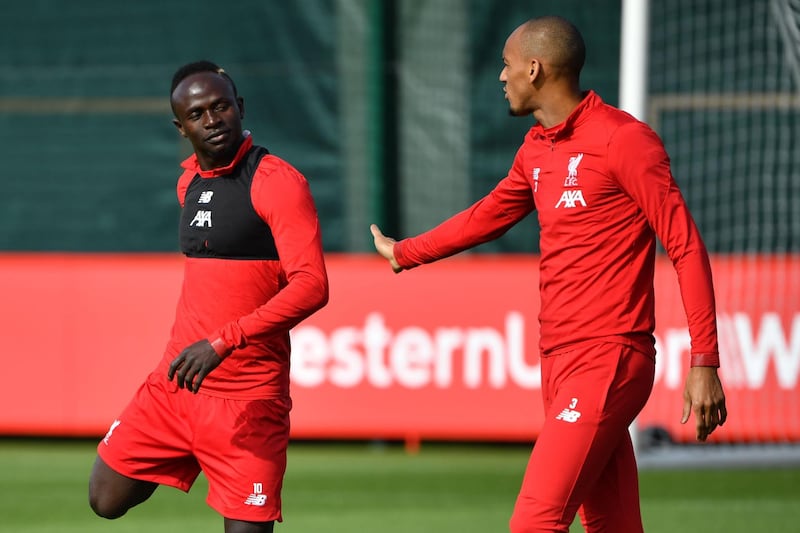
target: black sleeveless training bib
<point>218,218</point>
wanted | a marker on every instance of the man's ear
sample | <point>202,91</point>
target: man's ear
<point>240,103</point>
<point>179,126</point>
<point>535,70</point>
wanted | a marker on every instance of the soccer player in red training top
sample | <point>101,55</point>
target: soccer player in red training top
<point>601,184</point>
<point>219,399</point>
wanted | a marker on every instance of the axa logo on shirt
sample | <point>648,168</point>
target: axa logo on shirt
<point>201,219</point>
<point>570,198</point>
<point>257,498</point>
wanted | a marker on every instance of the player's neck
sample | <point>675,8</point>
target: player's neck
<point>559,106</point>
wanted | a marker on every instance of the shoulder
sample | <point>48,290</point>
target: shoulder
<point>634,144</point>
<point>635,135</point>
<point>276,180</point>
<point>623,130</point>
<point>274,168</point>
<point>614,121</point>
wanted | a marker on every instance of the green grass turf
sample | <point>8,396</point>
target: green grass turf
<point>363,487</point>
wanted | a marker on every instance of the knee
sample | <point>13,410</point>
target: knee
<point>623,521</point>
<point>517,524</point>
<point>520,525</point>
<point>532,521</point>
<point>105,509</point>
<point>104,505</point>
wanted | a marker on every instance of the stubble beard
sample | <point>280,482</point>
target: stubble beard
<point>517,111</point>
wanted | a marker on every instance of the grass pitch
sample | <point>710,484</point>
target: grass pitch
<point>363,487</point>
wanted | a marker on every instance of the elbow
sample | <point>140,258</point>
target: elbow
<point>324,297</point>
<point>312,291</point>
<point>322,293</point>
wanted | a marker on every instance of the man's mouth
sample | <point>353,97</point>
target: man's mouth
<point>218,137</point>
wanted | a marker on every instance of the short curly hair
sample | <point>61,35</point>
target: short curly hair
<point>196,67</point>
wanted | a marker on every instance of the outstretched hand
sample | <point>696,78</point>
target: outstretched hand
<point>193,364</point>
<point>704,397</point>
<point>385,246</point>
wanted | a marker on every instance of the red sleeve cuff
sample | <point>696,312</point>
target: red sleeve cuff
<point>705,359</point>
<point>399,255</point>
<point>222,349</point>
<point>397,250</point>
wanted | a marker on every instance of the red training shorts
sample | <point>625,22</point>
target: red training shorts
<point>168,435</point>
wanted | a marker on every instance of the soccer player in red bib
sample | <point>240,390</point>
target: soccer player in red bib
<point>219,399</point>
<point>601,184</point>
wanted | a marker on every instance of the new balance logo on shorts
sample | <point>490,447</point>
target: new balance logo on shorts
<point>257,498</point>
<point>569,414</point>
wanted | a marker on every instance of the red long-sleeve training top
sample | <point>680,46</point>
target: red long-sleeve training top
<point>603,191</point>
<point>246,306</point>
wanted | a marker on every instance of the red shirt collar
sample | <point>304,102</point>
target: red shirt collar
<point>190,163</point>
<point>590,101</point>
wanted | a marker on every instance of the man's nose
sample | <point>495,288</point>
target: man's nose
<point>210,118</point>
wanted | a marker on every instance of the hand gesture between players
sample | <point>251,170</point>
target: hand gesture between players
<point>385,247</point>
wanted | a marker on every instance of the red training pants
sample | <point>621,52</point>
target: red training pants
<point>583,460</point>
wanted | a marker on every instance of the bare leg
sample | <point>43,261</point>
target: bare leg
<point>111,494</point>
<point>239,526</point>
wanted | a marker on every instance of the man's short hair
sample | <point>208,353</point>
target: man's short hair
<point>200,66</point>
<point>559,39</point>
